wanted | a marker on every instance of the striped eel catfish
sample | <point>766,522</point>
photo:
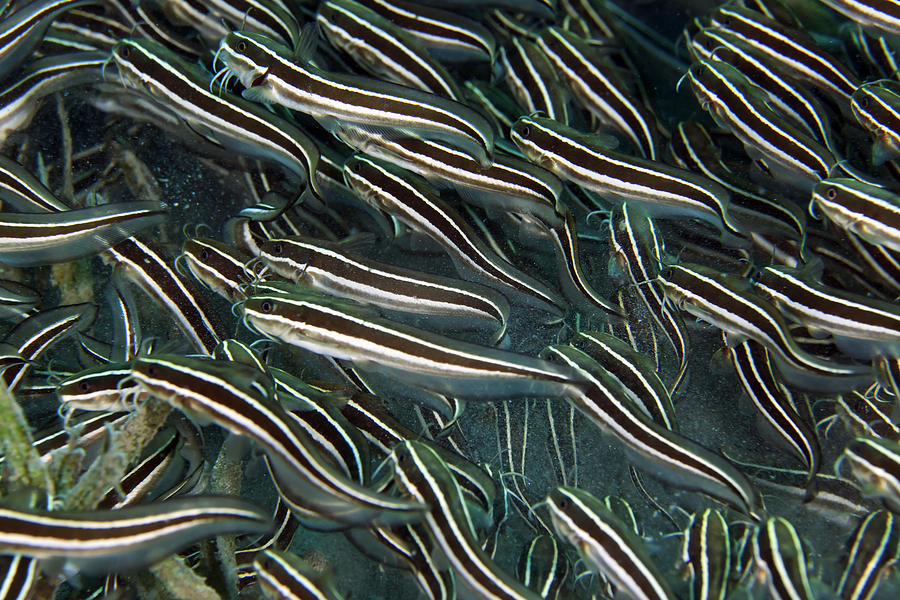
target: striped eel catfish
<point>284,576</point>
<point>412,201</point>
<point>270,75</point>
<point>634,371</point>
<point>148,267</point>
<point>130,538</point>
<point>32,239</point>
<point>423,476</point>
<point>875,106</point>
<point>636,247</point>
<point>736,103</point>
<point>881,15</point>
<point>668,455</point>
<point>381,47</point>
<point>868,211</point>
<point>876,464</point>
<point>241,399</point>
<point>220,267</point>
<point>872,552</point>
<point>781,559</point>
<point>448,36</point>
<point>332,270</point>
<point>862,327</point>
<point>20,101</point>
<point>22,30</point>
<point>533,79</point>
<point>728,303</point>
<point>599,89</point>
<point>606,544</point>
<point>776,405</point>
<point>235,123</point>
<point>791,50</point>
<point>706,553</point>
<point>508,184</point>
<point>662,190</point>
<point>347,331</point>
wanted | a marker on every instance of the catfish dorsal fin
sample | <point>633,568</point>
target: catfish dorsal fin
<point>306,44</point>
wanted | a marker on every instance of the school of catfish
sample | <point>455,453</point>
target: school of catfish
<point>495,299</point>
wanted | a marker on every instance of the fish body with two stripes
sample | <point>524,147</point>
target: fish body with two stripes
<point>242,400</point>
<point>35,335</point>
<point>149,267</point>
<point>875,463</point>
<point>881,15</point>
<point>423,476</point>
<point>508,184</point>
<point>781,557</point>
<point>412,201</point>
<point>24,192</point>
<point>600,89</point>
<point>34,239</point>
<point>102,388</point>
<point>20,101</point>
<point>285,576</point>
<point>636,247</point>
<point>862,327</point>
<point>752,208</point>
<point>791,50</point>
<point>785,96</point>
<point>706,554</point>
<point>662,190</point>
<point>220,267</point>
<point>270,74</point>
<point>382,48</point>
<point>872,553</point>
<point>876,106</point>
<point>213,19</point>
<point>785,151</point>
<point>668,455</point>
<point>868,211</point>
<point>635,372</point>
<point>544,567</point>
<point>447,35</point>
<point>186,90</point>
<point>332,270</point>
<point>127,539</point>
<point>777,407</point>
<point>347,331</point>
<point>533,79</point>
<point>22,30</point>
<point>606,544</point>
<point>730,304</point>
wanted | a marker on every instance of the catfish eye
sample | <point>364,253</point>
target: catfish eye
<point>85,386</point>
<point>356,167</point>
<point>124,51</point>
<point>151,371</point>
<point>526,130</point>
<point>266,307</point>
<point>204,255</point>
<point>864,102</point>
<point>241,46</point>
<point>831,193</point>
<point>278,249</point>
<point>563,503</point>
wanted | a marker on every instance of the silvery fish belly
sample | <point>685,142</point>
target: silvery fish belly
<point>450,299</point>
